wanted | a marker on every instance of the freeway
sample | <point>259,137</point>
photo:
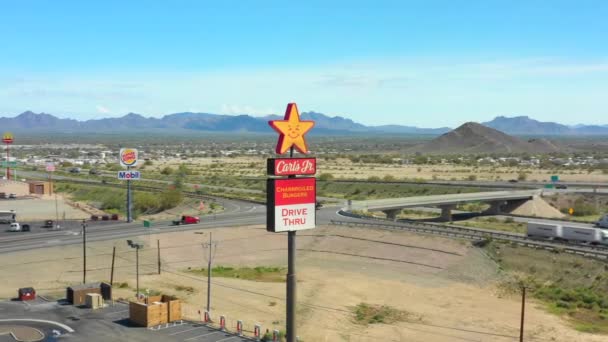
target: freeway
<point>240,214</point>
<point>438,200</point>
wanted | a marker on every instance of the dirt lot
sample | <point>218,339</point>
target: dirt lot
<point>42,209</point>
<point>447,286</point>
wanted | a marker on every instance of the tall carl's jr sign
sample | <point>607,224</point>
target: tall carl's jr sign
<point>291,201</point>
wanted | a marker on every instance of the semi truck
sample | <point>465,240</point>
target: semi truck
<point>567,232</point>
<point>8,216</point>
<point>544,230</point>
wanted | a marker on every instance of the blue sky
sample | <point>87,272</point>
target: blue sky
<point>422,63</point>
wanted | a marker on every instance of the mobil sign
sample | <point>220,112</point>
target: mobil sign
<point>129,175</point>
<point>291,204</point>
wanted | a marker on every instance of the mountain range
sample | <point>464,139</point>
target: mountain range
<point>523,125</point>
<point>29,121</point>
<point>472,137</point>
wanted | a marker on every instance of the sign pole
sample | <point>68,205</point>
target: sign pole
<point>291,279</point>
<point>291,200</point>
<point>129,219</point>
<point>8,170</point>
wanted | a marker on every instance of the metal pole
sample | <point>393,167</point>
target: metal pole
<point>56,209</point>
<point>137,270</point>
<point>84,252</point>
<point>112,271</point>
<point>209,275</point>
<point>158,250</point>
<point>8,170</point>
<point>291,280</point>
<point>291,286</point>
<point>129,218</point>
<point>523,309</point>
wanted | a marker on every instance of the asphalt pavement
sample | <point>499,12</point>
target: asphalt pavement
<point>61,321</point>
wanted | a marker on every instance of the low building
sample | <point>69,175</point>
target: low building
<point>40,188</point>
<point>77,294</point>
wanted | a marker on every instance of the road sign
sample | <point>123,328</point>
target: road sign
<point>291,204</point>
<point>9,164</point>
<point>7,138</point>
<point>291,166</point>
<point>147,224</point>
<point>128,157</point>
<point>555,178</point>
<point>548,186</point>
<point>129,175</point>
<point>571,211</point>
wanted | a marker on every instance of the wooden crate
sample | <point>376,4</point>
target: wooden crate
<point>94,301</point>
<point>149,314</point>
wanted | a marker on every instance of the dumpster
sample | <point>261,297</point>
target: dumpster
<point>26,293</point>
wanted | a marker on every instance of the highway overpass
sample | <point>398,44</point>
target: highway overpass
<point>392,206</point>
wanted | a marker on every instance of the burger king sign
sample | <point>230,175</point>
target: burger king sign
<point>128,157</point>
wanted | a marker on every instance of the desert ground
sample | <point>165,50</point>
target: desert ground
<point>344,168</point>
<point>46,208</point>
<point>448,288</point>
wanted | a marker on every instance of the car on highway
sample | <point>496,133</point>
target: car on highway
<point>186,220</point>
<point>25,227</point>
<point>15,227</point>
<point>75,170</point>
<point>561,186</point>
<point>94,172</point>
<point>12,196</point>
<point>48,224</point>
<point>513,180</point>
<point>602,222</point>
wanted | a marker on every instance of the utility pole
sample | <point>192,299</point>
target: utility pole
<point>137,247</point>
<point>158,252</point>
<point>523,309</point>
<point>212,246</point>
<point>112,271</point>
<point>84,251</point>
<point>137,271</point>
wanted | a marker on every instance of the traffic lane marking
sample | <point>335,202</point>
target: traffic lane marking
<point>226,339</point>
<point>203,335</point>
<point>187,330</point>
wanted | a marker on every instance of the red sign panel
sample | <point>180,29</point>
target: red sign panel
<point>292,166</point>
<point>291,204</point>
<point>7,138</point>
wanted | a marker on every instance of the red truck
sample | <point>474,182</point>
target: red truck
<point>187,220</point>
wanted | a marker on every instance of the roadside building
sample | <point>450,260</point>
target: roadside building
<point>40,188</point>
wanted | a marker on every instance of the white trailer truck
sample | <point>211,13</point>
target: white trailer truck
<point>582,234</point>
<point>544,230</point>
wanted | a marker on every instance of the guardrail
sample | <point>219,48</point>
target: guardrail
<point>478,235</point>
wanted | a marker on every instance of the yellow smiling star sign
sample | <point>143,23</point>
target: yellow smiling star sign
<point>291,130</point>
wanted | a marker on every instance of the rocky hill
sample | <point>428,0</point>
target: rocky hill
<point>476,138</point>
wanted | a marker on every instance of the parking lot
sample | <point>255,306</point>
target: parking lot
<point>190,331</point>
<point>57,318</point>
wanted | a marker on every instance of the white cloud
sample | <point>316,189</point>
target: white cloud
<point>233,109</point>
<point>102,109</point>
